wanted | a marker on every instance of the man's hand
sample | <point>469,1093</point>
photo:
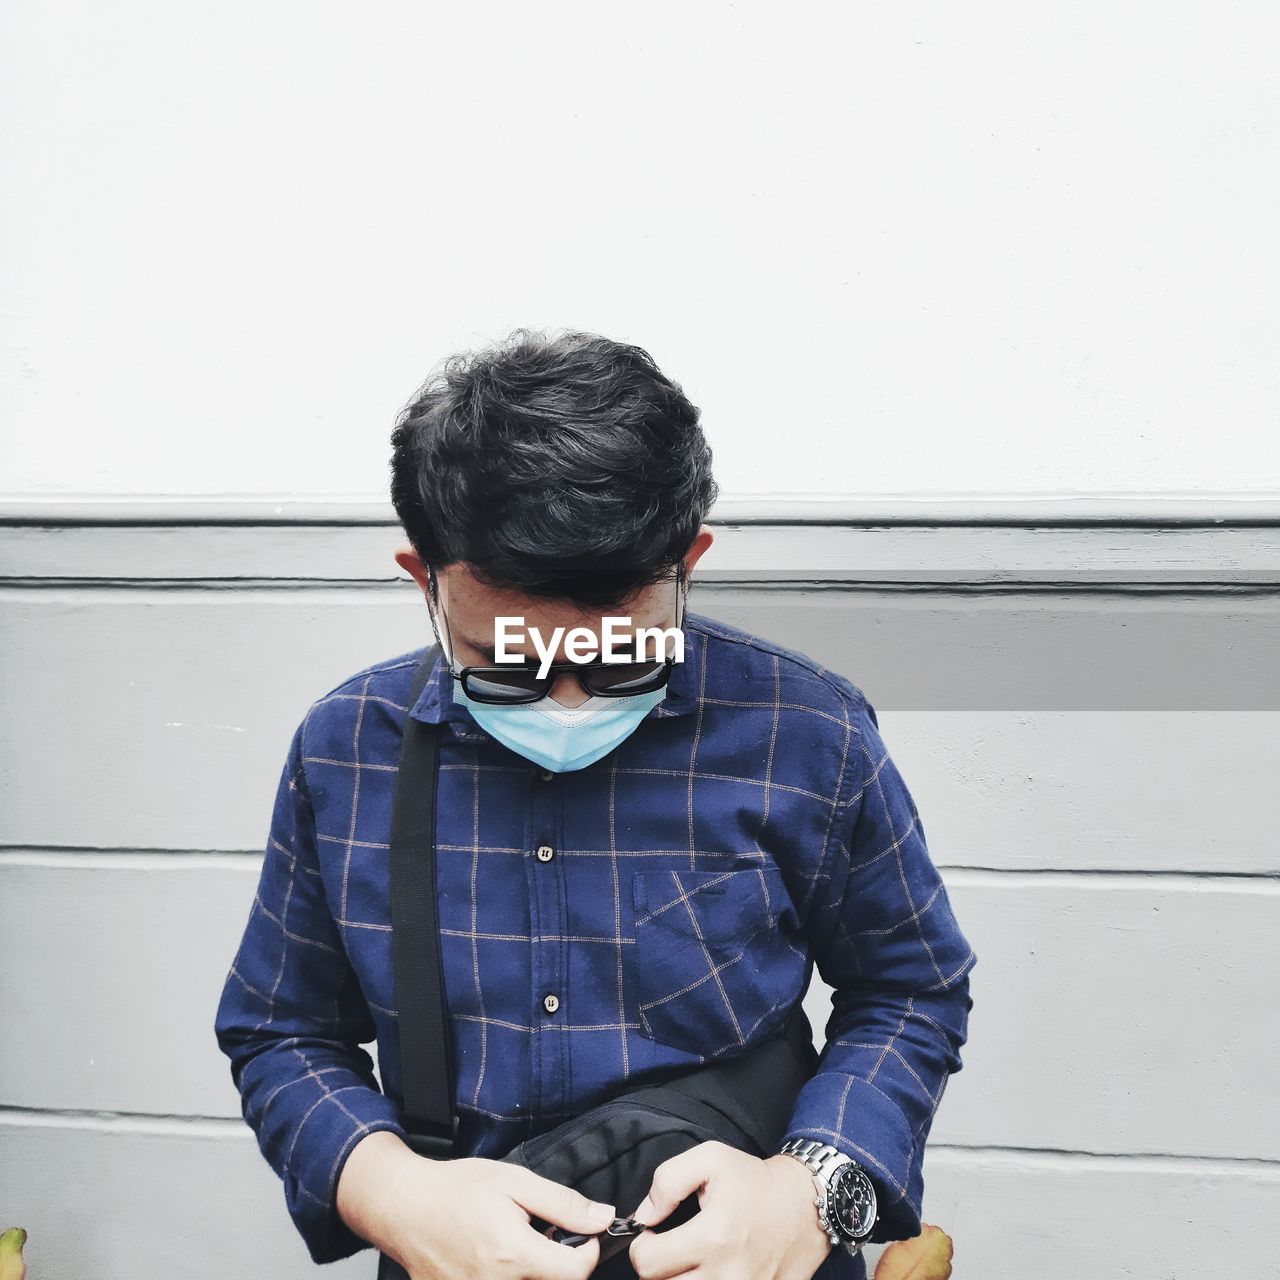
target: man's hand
<point>463,1218</point>
<point>756,1218</point>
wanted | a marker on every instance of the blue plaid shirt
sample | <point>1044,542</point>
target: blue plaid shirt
<point>674,897</point>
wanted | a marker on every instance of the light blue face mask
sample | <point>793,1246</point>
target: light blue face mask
<point>563,738</point>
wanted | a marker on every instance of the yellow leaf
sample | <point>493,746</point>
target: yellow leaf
<point>923,1257</point>
<point>12,1266</point>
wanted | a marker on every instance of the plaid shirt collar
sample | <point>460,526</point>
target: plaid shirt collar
<point>436,703</point>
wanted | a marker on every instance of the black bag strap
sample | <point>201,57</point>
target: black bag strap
<point>426,1077</point>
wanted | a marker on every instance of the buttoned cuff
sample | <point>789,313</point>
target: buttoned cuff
<point>329,1134</point>
<point>867,1125</point>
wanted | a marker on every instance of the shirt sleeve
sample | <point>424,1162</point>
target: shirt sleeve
<point>291,1020</point>
<point>885,938</point>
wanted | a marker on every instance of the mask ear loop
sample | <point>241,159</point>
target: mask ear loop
<point>433,601</point>
<point>682,588</point>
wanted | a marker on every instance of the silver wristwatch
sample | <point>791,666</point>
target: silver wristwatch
<point>846,1196</point>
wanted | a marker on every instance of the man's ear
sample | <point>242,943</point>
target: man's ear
<point>697,548</point>
<point>411,562</point>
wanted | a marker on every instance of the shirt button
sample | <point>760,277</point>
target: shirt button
<point>545,853</point>
<point>551,1003</point>
<point>546,774</point>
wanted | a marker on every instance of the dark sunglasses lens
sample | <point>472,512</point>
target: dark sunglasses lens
<point>621,678</point>
<point>487,685</point>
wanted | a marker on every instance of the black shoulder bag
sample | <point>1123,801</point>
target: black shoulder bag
<point>609,1152</point>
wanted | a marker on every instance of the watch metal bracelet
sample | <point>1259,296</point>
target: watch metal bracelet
<point>816,1155</point>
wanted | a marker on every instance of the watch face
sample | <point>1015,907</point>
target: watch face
<point>851,1201</point>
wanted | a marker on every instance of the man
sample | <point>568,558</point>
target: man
<point>627,884</point>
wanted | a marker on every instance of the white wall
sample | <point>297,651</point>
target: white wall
<point>982,248</point>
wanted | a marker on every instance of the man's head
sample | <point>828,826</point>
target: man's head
<point>556,478</point>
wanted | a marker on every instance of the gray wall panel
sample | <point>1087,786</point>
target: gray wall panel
<point>110,974</point>
<point>110,1202</point>
<point>177,707</point>
<point>1094,790</point>
<point>1087,710</point>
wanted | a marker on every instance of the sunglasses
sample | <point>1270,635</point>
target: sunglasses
<point>509,685</point>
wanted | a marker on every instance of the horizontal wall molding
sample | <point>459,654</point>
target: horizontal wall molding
<point>250,553</point>
<point>136,1122</point>
<point>233,1128</point>
<point>1194,509</point>
<point>250,861</point>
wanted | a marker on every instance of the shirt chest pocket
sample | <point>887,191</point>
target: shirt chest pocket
<point>718,963</point>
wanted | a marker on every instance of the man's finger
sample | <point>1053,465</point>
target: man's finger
<point>677,1178</point>
<point>657,1255</point>
<point>558,1204</point>
<point>558,1261</point>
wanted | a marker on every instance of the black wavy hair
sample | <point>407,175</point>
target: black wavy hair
<point>564,466</point>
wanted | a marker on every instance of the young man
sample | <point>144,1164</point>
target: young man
<point>627,885</point>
